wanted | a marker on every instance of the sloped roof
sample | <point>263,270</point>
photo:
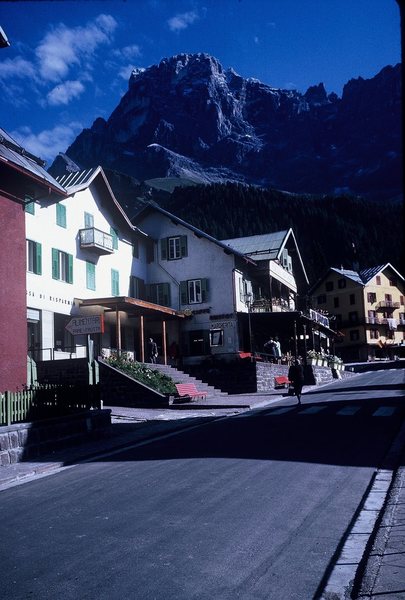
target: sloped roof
<point>81,180</point>
<point>152,206</point>
<point>361,278</point>
<point>354,275</point>
<point>267,246</point>
<point>18,158</point>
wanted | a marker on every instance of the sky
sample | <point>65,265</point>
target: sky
<point>69,62</point>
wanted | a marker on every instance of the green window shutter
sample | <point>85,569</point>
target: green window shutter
<point>115,283</point>
<point>90,275</point>
<point>61,215</point>
<point>183,292</point>
<point>38,257</point>
<point>70,269</point>
<point>135,249</point>
<point>151,293</point>
<point>114,235</point>
<point>163,248</point>
<point>29,207</point>
<point>88,220</point>
<point>204,289</point>
<point>55,263</point>
<point>183,245</point>
<point>163,293</point>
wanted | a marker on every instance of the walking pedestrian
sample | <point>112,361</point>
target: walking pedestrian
<point>152,350</point>
<point>296,376</point>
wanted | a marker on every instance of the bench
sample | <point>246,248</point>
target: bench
<point>281,382</point>
<point>189,389</point>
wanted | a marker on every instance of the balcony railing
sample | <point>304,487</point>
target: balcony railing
<point>384,304</point>
<point>318,317</point>
<point>92,238</point>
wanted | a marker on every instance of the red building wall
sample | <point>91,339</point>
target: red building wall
<point>13,311</point>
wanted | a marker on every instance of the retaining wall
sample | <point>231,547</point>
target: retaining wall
<point>24,441</point>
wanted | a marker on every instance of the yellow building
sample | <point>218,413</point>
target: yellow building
<point>368,308</point>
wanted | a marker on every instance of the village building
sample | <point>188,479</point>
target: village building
<point>23,181</point>
<point>368,309</point>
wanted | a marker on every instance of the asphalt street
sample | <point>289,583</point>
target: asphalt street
<point>250,506</point>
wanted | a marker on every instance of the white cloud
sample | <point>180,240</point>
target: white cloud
<point>182,21</point>
<point>48,143</point>
<point>63,48</point>
<point>128,52</point>
<point>256,40</point>
<point>65,92</point>
<point>17,67</point>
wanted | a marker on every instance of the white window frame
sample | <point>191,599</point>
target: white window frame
<point>174,248</point>
<point>194,290</point>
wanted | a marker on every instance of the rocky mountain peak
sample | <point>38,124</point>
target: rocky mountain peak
<point>213,124</point>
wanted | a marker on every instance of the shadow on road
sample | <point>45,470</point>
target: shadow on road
<point>325,433</point>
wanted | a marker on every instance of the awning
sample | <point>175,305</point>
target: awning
<point>133,306</point>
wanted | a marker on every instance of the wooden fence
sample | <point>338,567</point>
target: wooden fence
<point>41,402</point>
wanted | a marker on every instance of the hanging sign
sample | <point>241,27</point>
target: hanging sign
<point>86,325</point>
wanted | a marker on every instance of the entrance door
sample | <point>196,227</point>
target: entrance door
<point>34,339</point>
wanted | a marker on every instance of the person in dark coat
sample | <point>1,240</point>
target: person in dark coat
<point>296,376</point>
<point>152,350</point>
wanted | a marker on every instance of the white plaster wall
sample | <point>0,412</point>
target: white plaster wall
<point>46,293</point>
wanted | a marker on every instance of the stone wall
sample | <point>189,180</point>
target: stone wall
<point>314,375</point>
<point>24,441</point>
<point>118,389</point>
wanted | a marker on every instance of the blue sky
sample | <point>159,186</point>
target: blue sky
<point>69,61</point>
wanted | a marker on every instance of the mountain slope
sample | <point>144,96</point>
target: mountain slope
<point>188,117</point>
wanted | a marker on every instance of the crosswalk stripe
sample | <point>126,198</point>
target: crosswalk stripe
<point>281,411</point>
<point>349,410</point>
<point>384,411</point>
<point>311,410</point>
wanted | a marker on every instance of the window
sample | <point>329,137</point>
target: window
<point>216,337</point>
<point>392,282</point>
<point>329,286</point>
<point>88,220</point>
<point>243,290</point>
<point>29,206</point>
<point>62,266</point>
<point>321,299</point>
<point>114,235</point>
<point>115,282</point>
<point>388,298</point>
<point>390,334</point>
<point>61,215</point>
<point>371,297</point>
<point>378,280</point>
<point>341,283</point>
<point>173,248</point>
<point>34,257</point>
<point>90,275</point>
<point>352,299</point>
<point>374,335</point>
<point>402,300</point>
<point>194,291</point>
<point>158,293</point>
<point>137,288</point>
<point>336,302</point>
<point>354,335</point>
<point>353,316</point>
<point>372,316</point>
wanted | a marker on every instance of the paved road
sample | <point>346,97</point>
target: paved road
<point>251,506</point>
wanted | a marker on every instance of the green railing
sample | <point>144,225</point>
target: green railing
<point>47,401</point>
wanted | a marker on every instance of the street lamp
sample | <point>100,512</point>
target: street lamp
<point>248,301</point>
